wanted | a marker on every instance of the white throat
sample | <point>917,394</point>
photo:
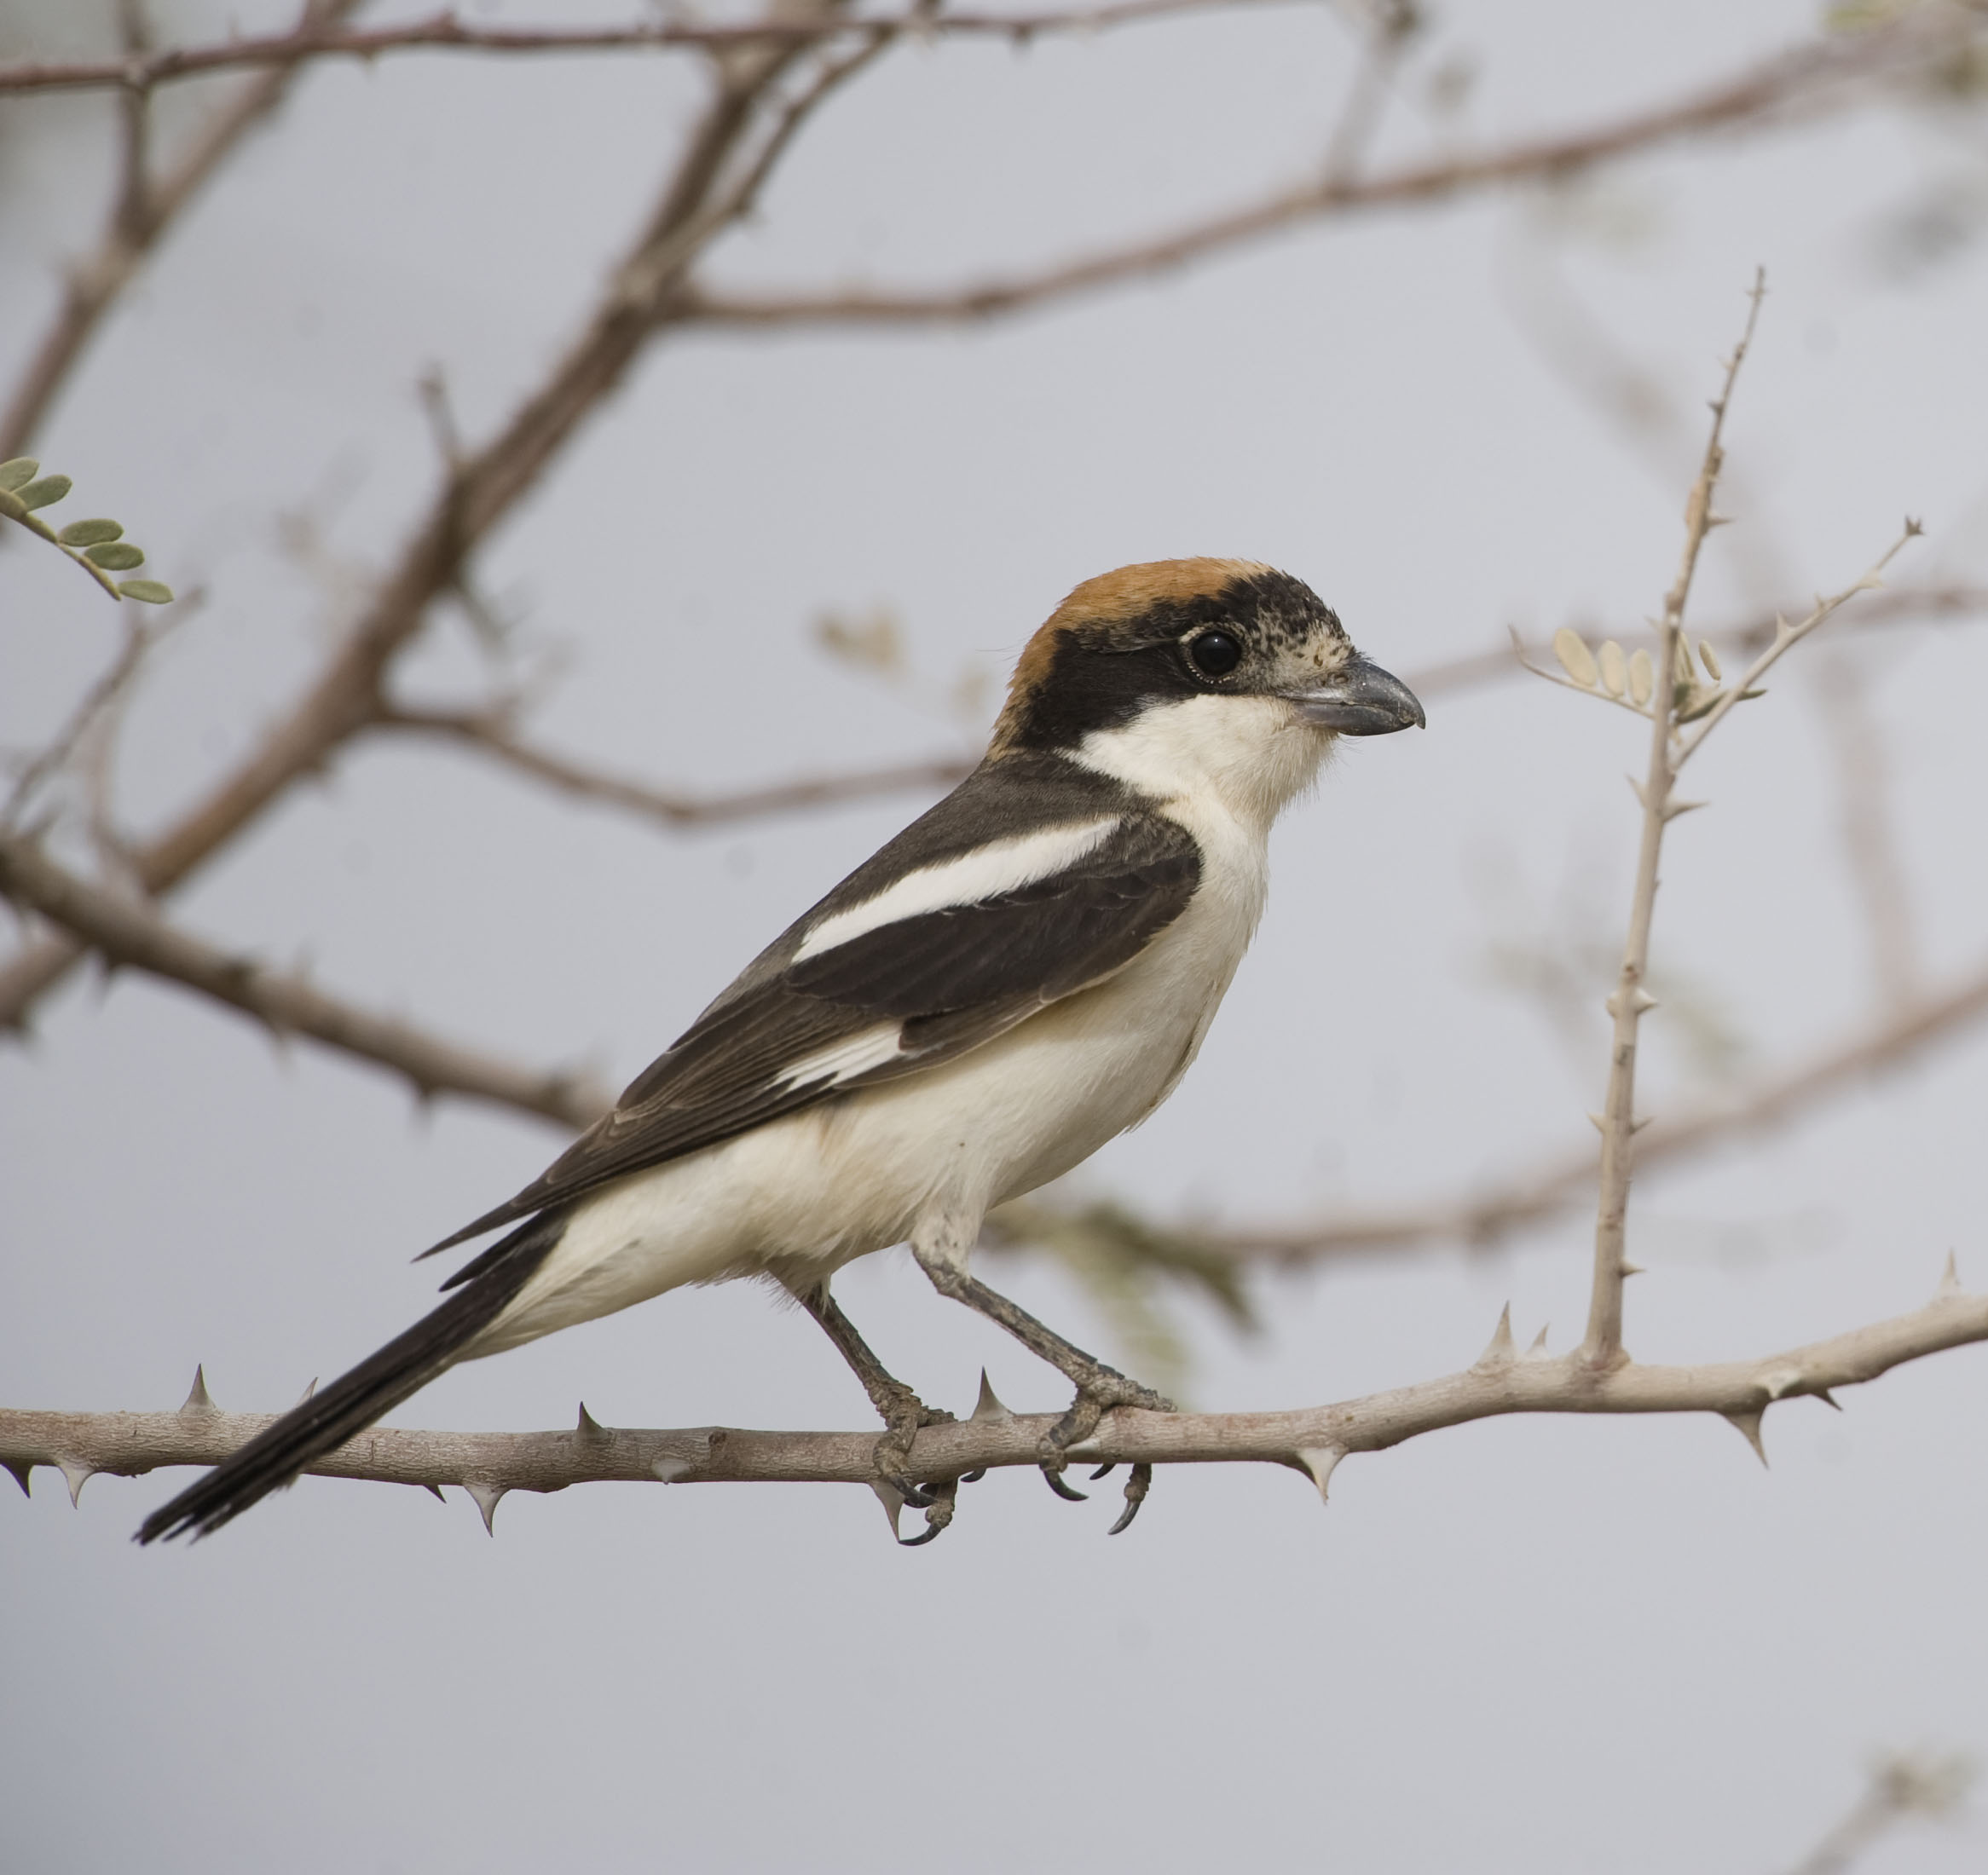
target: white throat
<point>1248,756</point>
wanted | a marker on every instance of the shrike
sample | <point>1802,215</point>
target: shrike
<point>1023,972</point>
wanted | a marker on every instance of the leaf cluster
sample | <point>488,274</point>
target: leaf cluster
<point>98,546</point>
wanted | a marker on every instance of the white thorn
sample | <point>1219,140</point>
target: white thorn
<point>435,1490</point>
<point>198,1400</point>
<point>488,1497</point>
<point>670,1469</point>
<point>1778,1382</point>
<point>1600,1122</point>
<point>1827,1399</point>
<point>77,1476</point>
<point>1538,1350</point>
<point>1673,809</point>
<point>1633,1269</point>
<point>1322,1462</point>
<point>1637,1126</point>
<point>307,1392</point>
<point>1499,1351</point>
<point>22,1468</point>
<point>1950,1282</point>
<point>589,1428</point>
<point>892,1501</point>
<point>1640,999</point>
<point>1748,1425</point>
<point>987,1406</point>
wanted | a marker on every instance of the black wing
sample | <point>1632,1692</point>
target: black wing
<point>903,997</point>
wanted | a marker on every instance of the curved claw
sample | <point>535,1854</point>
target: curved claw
<point>915,1498</point>
<point>973,1477</point>
<point>1136,1487</point>
<point>925,1536</point>
<point>1104,1470</point>
<point>1054,1481</point>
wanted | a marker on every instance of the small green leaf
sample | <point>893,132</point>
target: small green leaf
<point>148,592</point>
<point>39,494</point>
<point>115,555</point>
<point>89,534</point>
<point>18,473</point>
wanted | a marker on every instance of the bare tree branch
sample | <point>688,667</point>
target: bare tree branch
<point>1793,83</point>
<point>124,930</point>
<point>141,72</point>
<point>1312,1439</point>
<point>144,211</point>
<point>697,203</point>
<point>492,735</point>
<point>1486,1216</point>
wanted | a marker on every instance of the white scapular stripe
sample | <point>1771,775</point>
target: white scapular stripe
<point>846,1059</point>
<point>1001,865</point>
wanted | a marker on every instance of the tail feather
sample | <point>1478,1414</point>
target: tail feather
<point>355,1400</point>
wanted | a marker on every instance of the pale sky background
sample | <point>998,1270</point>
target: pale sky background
<point>1544,1646</point>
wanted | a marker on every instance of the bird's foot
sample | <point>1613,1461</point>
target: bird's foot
<point>904,1415</point>
<point>1097,1394</point>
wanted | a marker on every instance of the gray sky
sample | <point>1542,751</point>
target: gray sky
<point>1540,1645</point>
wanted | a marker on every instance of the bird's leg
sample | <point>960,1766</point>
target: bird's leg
<point>901,1410</point>
<point>1099,1387</point>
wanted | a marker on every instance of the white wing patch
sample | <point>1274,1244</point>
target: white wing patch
<point>856,1055</point>
<point>1001,866</point>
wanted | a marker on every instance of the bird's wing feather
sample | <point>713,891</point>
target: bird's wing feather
<point>900,997</point>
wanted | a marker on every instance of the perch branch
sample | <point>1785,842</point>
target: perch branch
<point>1312,1439</point>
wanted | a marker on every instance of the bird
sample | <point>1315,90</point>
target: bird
<point>1022,974</point>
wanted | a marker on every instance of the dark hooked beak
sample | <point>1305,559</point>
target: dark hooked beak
<point>1360,699</point>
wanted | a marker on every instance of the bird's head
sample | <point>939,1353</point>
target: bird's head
<point>1181,672</point>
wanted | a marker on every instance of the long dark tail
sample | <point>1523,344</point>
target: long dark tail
<point>355,1400</point>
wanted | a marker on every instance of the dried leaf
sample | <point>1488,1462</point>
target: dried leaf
<point>1642,677</point>
<point>1575,659</point>
<point>1614,669</point>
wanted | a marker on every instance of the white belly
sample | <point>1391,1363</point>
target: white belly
<point>800,1197</point>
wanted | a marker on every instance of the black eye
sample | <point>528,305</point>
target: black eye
<point>1215,654</point>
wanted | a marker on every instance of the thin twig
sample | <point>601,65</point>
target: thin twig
<point>1775,90</point>
<point>125,932</point>
<point>1309,1439</point>
<point>1786,637</point>
<point>1603,1345</point>
<point>341,700</point>
<point>145,210</point>
<point>1905,1785</point>
<point>491,735</point>
<point>445,32</point>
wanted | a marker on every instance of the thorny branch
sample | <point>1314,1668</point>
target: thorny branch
<point>1310,1439</point>
<point>1602,1347</point>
